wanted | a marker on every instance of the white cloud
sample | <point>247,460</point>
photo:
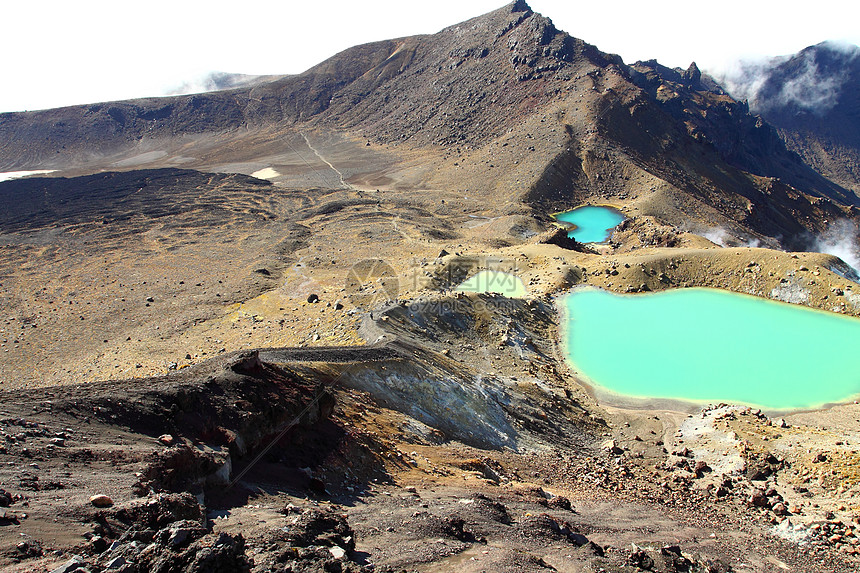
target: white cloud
<point>805,86</point>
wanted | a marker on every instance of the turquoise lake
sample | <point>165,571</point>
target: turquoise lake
<point>707,345</point>
<point>591,224</point>
<point>494,281</point>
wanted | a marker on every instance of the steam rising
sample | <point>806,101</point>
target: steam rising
<point>215,81</point>
<point>718,236</point>
<point>723,238</point>
<point>841,240</point>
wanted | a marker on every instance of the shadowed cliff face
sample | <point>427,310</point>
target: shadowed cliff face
<point>695,129</point>
<point>812,98</point>
<point>504,106</point>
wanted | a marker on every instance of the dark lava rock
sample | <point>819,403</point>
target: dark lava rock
<point>545,526</point>
<point>76,563</point>
<point>317,487</point>
<point>684,453</point>
<point>455,527</point>
<point>489,509</point>
<point>759,498</point>
<point>559,238</point>
<point>27,549</point>
<point>313,297</point>
<point>760,467</point>
<point>98,543</point>
<point>222,553</point>
<point>326,527</point>
<point>159,511</point>
<point>673,560</point>
<point>180,533</point>
<point>669,559</point>
<point>560,502</point>
<point>641,560</point>
<point>758,470</point>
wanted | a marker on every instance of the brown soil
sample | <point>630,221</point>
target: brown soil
<point>276,375</point>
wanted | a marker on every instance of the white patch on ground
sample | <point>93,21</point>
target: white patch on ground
<point>790,291</point>
<point>795,533</point>
<point>852,298</point>
<point>182,159</point>
<point>467,409</point>
<point>18,174</point>
<point>220,458</point>
<point>266,173</point>
<point>717,448</point>
<point>723,238</point>
<point>424,431</point>
<point>835,270</point>
<point>480,221</point>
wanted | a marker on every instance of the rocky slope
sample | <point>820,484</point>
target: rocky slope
<point>340,459</point>
<point>812,98</point>
<point>505,105</point>
<point>230,340</point>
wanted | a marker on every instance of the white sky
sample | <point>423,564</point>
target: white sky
<point>64,52</point>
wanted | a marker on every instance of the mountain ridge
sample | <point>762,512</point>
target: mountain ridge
<point>508,78</point>
<point>811,97</point>
<point>236,332</point>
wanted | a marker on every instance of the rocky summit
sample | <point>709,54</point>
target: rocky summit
<point>234,338</point>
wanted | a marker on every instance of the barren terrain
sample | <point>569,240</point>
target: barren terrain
<point>233,315</point>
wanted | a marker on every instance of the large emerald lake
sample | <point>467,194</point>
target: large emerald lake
<point>707,345</point>
<point>591,224</point>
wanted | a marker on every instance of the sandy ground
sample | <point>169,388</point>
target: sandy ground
<point>300,263</point>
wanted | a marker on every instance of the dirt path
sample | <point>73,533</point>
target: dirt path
<point>343,183</point>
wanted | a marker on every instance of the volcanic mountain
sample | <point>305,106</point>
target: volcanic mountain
<point>232,337</point>
<point>504,107</point>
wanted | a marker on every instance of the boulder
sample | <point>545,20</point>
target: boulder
<point>758,498</point>
<point>101,500</point>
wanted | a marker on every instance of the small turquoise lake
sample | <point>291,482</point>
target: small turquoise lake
<point>707,345</point>
<point>591,224</point>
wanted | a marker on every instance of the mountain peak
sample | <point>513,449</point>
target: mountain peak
<point>520,6</point>
<point>693,76</point>
<point>812,98</point>
<point>845,49</point>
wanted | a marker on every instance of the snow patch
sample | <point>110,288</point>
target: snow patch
<point>265,173</point>
<point>8,175</point>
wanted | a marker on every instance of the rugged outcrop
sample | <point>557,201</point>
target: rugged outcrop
<point>812,98</point>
